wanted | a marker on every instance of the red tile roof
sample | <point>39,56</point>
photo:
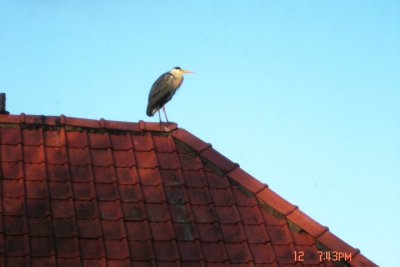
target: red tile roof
<point>78,192</point>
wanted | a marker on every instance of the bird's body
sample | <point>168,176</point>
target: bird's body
<point>164,89</point>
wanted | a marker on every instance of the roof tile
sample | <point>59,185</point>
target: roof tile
<point>222,197</point>
<point>134,211</point>
<point>79,156</point>
<point>59,190</point>
<point>124,158</point>
<point>172,177</point>
<point>10,136</point>
<point>279,234</point>
<point>204,214</point>
<point>33,154</point>
<point>101,157</point>
<point>92,248</point>
<point>275,201</point>
<point>127,175</point>
<point>55,138</point>
<point>306,223</point>
<point>199,196</point>
<point>185,231</point>
<point>149,177</point>
<point>162,231</point>
<point>194,178</point>
<point>31,137</point>
<point>65,262</point>
<point>263,253</point>
<point>246,180</point>
<point>331,241</point>
<point>121,141</point>
<point>86,209</point>
<point>210,232</point>
<point>180,213</point>
<point>17,245</point>
<point>153,194</point>
<point>168,161</point>
<point>176,195</point>
<point>117,249</point>
<point>146,159</point>
<point>14,206</point>
<point>233,233</point>
<point>62,208</point>
<point>250,215</point>
<point>219,160</point>
<point>107,191</point>
<point>284,253</point>
<point>243,200</point>
<point>166,250</point>
<point>227,214</point>
<point>12,188</point>
<point>81,174</point>
<point>141,250</point>
<point>216,181</point>
<point>130,193</point>
<point>113,229</point>
<point>189,162</point>
<point>43,262</point>
<point>190,251</point>
<point>56,155</point>
<point>214,251</point>
<point>77,139</point>
<point>38,207</point>
<point>104,174</point>
<point>98,140</point>
<point>13,170</point>
<point>40,226</point>
<point>256,233</point>
<point>89,228</point>
<point>15,225</point>
<point>142,142</point>
<point>189,139</point>
<point>238,252</point>
<point>101,262</point>
<point>84,191</point>
<point>11,153</point>
<point>67,247</point>
<point>64,228</point>
<point>42,246</point>
<point>18,261</point>
<point>138,231</point>
<point>57,172</point>
<point>157,212</point>
<point>110,210</point>
<point>164,144</point>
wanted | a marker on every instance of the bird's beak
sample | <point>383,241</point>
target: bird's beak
<point>187,71</point>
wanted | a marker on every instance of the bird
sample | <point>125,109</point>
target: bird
<point>163,90</point>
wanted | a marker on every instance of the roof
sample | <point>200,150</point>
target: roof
<point>79,192</point>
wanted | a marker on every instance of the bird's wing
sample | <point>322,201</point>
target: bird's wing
<point>162,85</point>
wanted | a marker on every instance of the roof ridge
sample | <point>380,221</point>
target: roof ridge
<point>267,196</point>
<point>62,120</point>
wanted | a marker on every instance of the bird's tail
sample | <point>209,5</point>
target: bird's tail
<point>150,112</point>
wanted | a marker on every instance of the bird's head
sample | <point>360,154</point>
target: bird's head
<point>177,71</point>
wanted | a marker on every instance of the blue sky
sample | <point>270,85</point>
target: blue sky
<point>304,95</point>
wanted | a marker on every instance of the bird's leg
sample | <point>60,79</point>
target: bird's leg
<point>159,116</point>
<point>165,113</point>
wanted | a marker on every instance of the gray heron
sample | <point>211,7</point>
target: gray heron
<point>163,90</point>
